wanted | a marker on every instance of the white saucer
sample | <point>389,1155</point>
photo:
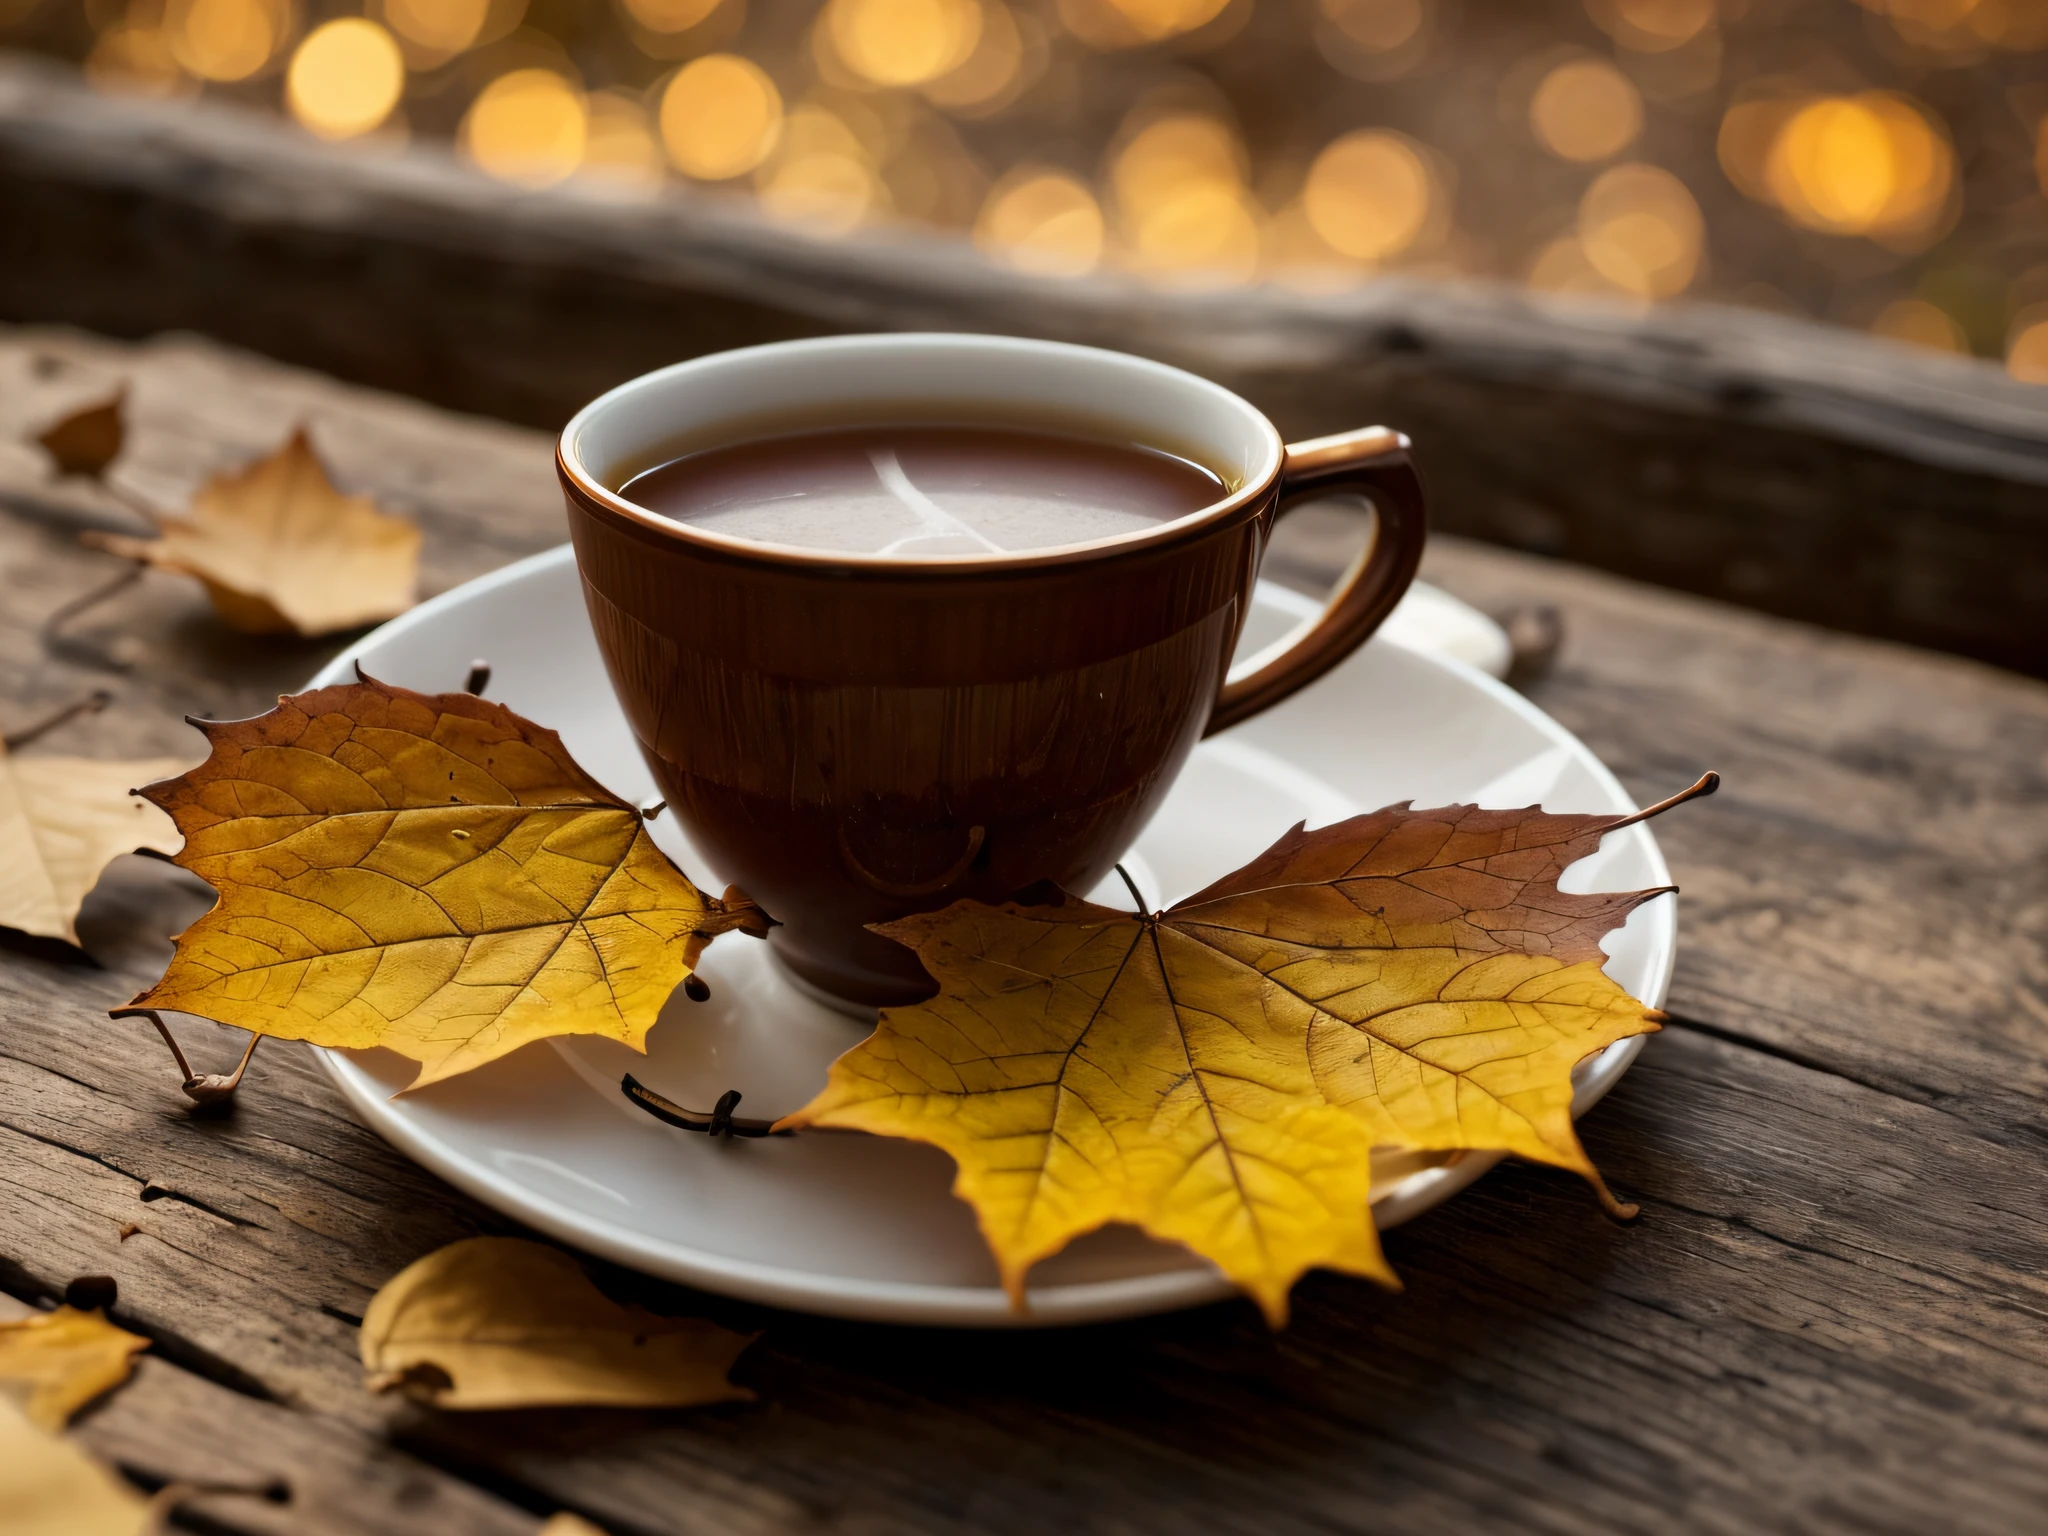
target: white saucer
<point>863,1227</point>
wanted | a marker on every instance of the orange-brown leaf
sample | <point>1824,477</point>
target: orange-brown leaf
<point>88,440</point>
<point>1219,1074</point>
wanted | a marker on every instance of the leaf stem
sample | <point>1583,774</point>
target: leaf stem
<point>184,1066</point>
<point>721,1121</point>
<point>1137,896</point>
<point>1708,782</point>
<point>91,704</point>
<point>59,644</point>
<point>203,1088</point>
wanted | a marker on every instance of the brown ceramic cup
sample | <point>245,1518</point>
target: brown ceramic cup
<point>852,738</point>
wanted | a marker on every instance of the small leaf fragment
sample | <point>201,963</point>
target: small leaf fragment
<point>62,821</point>
<point>49,1487</point>
<point>281,551</point>
<point>88,440</point>
<point>563,1523</point>
<point>498,1322</point>
<point>54,1363</point>
<point>428,873</point>
<point>1220,1074</point>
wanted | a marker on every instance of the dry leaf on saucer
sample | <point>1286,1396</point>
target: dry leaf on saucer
<point>53,1363</point>
<point>1219,1073</point>
<point>49,1487</point>
<point>89,440</point>
<point>282,551</point>
<point>62,820</point>
<point>427,873</point>
<point>496,1322</point>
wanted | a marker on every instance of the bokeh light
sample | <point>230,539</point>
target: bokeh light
<point>440,26</point>
<point>135,60</point>
<point>225,40</point>
<point>1967,26</point>
<point>1652,26</point>
<point>345,78</point>
<point>1378,25</point>
<point>1043,222</point>
<point>1871,164</point>
<point>668,16</point>
<point>1182,207</point>
<point>990,76</point>
<point>1562,267</point>
<point>1921,324</point>
<point>822,177</point>
<point>1641,230</point>
<point>1369,194</point>
<point>903,42</point>
<point>620,147</point>
<point>2026,347</point>
<point>720,117</point>
<point>1110,24</point>
<point>1219,127</point>
<point>528,126</point>
<point>1586,109</point>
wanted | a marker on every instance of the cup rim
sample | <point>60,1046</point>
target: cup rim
<point>577,477</point>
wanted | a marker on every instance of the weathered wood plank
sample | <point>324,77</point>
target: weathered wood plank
<point>168,1425</point>
<point>1832,1317</point>
<point>1787,466</point>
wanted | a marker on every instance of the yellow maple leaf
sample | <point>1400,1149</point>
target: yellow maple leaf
<point>49,1487</point>
<point>1219,1073</point>
<point>53,1363</point>
<point>427,873</point>
<point>62,819</point>
<point>281,551</point>
<point>498,1322</point>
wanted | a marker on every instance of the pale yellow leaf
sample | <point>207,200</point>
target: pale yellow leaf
<point>430,874</point>
<point>565,1524</point>
<point>62,820</point>
<point>281,550</point>
<point>497,1322</point>
<point>49,1487</point>
<point>53,1363</point>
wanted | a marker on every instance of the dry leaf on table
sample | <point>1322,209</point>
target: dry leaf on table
<point>62,820</point>
<point>54,1363</point>
<point>427,873</point>
<point>49,1487</point>
<point>88,440</point>
<point>497,1322</point>
<point>1218,1074</point>
<point>282,551</point>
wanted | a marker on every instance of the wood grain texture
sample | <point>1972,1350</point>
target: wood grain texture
<point>1787,466</point>
<point>1831,1318</point>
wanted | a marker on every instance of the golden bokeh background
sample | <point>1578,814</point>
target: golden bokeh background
<point>1878,163</point>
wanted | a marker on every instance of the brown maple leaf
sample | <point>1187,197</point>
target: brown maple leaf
<point>88,440</point>
<point>281,551</point>
<point>1218,1074</point>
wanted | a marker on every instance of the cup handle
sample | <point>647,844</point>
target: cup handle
<point>1375,461</point>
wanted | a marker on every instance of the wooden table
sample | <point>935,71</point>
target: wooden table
<point>1832,1316</point>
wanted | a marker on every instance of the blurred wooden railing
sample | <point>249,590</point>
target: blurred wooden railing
<point>1781,464</point>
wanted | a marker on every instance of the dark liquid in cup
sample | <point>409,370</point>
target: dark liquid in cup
<point>919,492</point>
